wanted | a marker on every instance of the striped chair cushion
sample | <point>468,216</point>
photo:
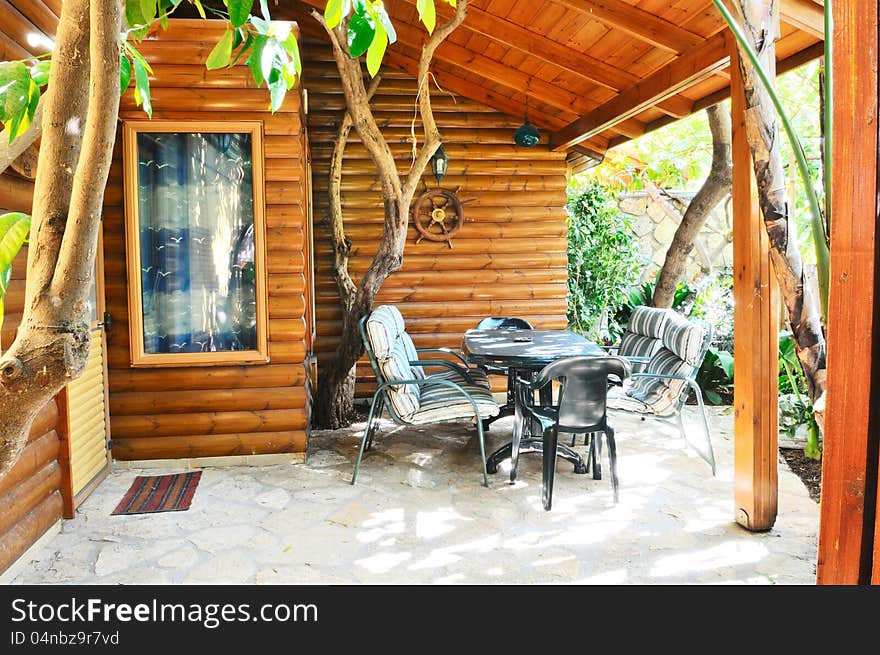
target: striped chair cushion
<point>477,376</point>
<point>404,398</point>
<point>636,345</point>
<point>684,339</point>
<point>442,403</point>
<point>397,366</point>
<point>412,353</point>
<point>648,321</point>
<point>654,395</point>
<point>383,327</point>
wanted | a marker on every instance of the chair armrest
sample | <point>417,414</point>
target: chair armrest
<point>635,359</point>
<point>446,351</point>
<point>444,363</point>
<point>423,381</point>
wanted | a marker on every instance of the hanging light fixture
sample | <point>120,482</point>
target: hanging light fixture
<point>527,135</point>
<point>440,163</point>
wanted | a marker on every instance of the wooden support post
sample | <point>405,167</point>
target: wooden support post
<point>848,527</point>
<point>755,320</point>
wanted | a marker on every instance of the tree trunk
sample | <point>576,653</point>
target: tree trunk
<point>52,344</point>
<point>713,191</point>
<point>335,397</point>
<point>764,138</point>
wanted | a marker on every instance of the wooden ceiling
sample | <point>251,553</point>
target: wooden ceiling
<point>591,73</point>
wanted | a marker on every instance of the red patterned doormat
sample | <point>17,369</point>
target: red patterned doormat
<point>160,493</point>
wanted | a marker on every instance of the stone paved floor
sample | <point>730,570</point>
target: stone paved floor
<point>420,515</point>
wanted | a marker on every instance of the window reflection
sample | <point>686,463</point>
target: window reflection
<point>196,225</point>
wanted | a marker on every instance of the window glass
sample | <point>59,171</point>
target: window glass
<point>195,202</point>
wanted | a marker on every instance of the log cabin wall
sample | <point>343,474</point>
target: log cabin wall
<point>509,258</point>
<point>205,411</point>
<point>30,494</point>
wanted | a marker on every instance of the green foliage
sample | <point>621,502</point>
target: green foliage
<point>643,294</point>
<point>20,83</point>
<point>603,262</point>
<point>713,302</point>
<point>715,377</point>
<point>14,230</point>
<point>795,408</point>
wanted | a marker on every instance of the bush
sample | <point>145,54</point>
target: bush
<point>603,262</point>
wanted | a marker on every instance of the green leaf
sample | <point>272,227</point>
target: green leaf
<point>244,48</point>
<point>270,62</point>
<point>255,58</point>
<point>142,87</point>
<point>361,30</point>
<point>292,48</point>
<point>134,54</point>
<point>40,72</point>
<point>335,10</point>
<point>385,19</point>
<point>222,53</point>
<point>239,10</point>
<point>427,14</point>
<point>277,91</point>
<point>14,230</point>
<point>124,72</point>
<point>15,83</point>
<point>199,8</point>
<point>376,51</point>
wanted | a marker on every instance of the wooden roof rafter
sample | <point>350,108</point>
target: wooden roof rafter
<point>639,23</point>
<point>693,66</point>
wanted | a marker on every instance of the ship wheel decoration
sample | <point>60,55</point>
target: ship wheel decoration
<point>437,215</point>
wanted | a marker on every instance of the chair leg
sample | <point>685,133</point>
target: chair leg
<point>549,461</point>
<point>482,440</point>
<point>711,458</point>
<point>375,428</point>
<point>367,431</point>
<point>514,448</point>
<point>596,455</point>
<point>612,459</point>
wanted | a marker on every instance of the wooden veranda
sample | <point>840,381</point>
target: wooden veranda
<point>591,74</point>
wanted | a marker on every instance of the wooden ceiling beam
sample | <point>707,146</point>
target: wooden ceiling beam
<point>782,66</point>
<point>447,81</point>
<point>540,47</point>
<point>682,72</point>
<point>643,25</point>
<point>806,15</point>
<point>490,69</point>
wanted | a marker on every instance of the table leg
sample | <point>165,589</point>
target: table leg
<point>535,445</point>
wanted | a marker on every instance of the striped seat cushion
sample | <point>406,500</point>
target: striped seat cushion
<point>412,353</point>
<point>683,338</point>
<point>383,328</point>
<point>644,332</point>
<point>404,398</point>
<point>648,321</point>
<point>476,377</point>
<point>442,403</point>
<point>636,345</point>
<point>654,395</point>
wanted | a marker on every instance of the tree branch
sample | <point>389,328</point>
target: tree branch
<point>9,152</point>
<point>358,104</point>
<point>66,100</point>
<point>432,134</point>
<point>341,245</point>
<point>76,262</point>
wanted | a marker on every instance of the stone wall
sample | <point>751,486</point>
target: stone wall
<point>656,217</point>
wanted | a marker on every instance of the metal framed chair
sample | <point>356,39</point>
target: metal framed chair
<point>504,323</point>
<point>662,388</point>
<point>412,396</point>
<point>581,409</point>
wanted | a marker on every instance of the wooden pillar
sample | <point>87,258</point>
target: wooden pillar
<point>756,321</point>
<point>849,525</point>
